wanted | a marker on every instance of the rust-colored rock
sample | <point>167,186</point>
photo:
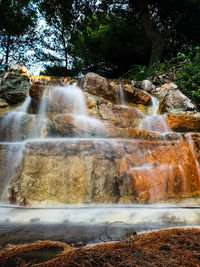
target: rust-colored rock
<point>35,92</point>
<point>183,123</point>
<point>112,113</point>
<point>50,80</point>
<point>106,171</point>
<point>97,85</point>
<point>129,132</point>
<point>135,95</point>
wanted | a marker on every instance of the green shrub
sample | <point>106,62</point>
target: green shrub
<point>185,67</point>
<point>188,76</point>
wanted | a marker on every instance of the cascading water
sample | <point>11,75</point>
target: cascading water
<point>12,124</point>
<point>76,164</point>
<point>154,122</point>
<point>120,96</point>
<point>70,100</point>
<point>190,142</point>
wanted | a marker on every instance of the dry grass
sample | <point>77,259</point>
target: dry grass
<point>174,247</point>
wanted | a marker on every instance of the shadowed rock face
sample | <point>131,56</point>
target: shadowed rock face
<point>14,87</point>
<point>106,171</point>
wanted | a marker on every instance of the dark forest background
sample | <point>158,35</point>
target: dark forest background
<point>133,39</point>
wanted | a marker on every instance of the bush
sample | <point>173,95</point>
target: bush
<point>185,67</point>
<point>188,76</point>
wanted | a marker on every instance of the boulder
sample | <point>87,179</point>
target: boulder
<point>97,85</point>
<point>174,100</point>
<point>147,85</point>
<point>165,77</point>
<point>36,91</point>
<point>134,95</point>
<point>14,87</point>
<point>119,116</point>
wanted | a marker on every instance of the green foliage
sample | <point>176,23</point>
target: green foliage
<point>139,72</point>
<point>188,75</point>
<point>185,67</point>
<point>108,45</point>
<point>59,70</point>
<point>17,22</point>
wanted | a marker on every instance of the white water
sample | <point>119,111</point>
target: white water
<point>120,96</point>
<point>190,142</point>
<point>90,125</point>
<point>71,101</point>
<point>8,166</point>
<point>25,105</point>
<point>154,122</point>
<point>103,214</point>
<point>13,122</point>
<point>70,98</point>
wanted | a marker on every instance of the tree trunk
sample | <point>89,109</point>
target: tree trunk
<point>65,48</point>
<point>156,51</point>
<point>154,36</point>
<point>7,52</point>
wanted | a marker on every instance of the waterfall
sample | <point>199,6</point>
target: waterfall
<point>61,155</point>
<point>70,100</point>
<point>190,142</point>
<point>12,124</point>
<point>9,165</point>
<point>120,96</point>
<point>154,122</point>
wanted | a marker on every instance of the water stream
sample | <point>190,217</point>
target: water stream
<point>154,122</point>
<point>120,96</point>
<point>88,168</point>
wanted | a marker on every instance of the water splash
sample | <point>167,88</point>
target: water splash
<point>154,122</point>
<point>11,161</point>
<point>89,125</point>
<point>13,123</point>
<point>69,98</point>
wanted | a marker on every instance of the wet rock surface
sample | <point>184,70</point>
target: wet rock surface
<point>104,142</point>
<point>97,85</point>
<point>115,171</point>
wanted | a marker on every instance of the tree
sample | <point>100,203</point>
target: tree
<point>17,22</point>
<point>109,36</point>
<point>59,16</point>
<point>168,24</point>
<point>108,44</point>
